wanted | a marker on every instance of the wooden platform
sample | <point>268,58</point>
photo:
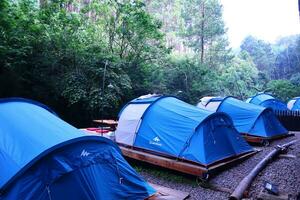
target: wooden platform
<point>181,165</point>
<point>264,140</point>
<point>165,193</point>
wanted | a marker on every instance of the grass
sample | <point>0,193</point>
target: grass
<point>163,173</point>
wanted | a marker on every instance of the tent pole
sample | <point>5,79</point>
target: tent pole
<point>103,87</point>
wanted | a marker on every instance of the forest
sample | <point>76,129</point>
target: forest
<point>86,58</point>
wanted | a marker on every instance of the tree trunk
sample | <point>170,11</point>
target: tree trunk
<point>202,33</point>
<point>43,3</point>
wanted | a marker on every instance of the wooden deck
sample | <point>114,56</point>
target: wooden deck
<point>183,166</point>
<point>264,140</point>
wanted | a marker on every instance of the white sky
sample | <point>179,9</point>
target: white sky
<point>264,19</point>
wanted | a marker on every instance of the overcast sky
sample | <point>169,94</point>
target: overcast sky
<point>264,19</point>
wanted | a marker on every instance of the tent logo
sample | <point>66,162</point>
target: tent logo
<point>84,153</point>
<point>155,141</point>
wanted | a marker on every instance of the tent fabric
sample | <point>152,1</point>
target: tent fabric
<point>210,103</point>
<point>267,101</point>
<point>294,104</point>
<point>91,168</point>
<point>41,154</point>
<point>18,99</point>
<point>172,127</point>
<point>249,118</point>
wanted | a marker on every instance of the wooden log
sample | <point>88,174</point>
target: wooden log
<point>245,183</point>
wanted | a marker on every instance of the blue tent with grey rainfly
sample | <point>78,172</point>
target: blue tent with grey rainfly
<point>43,157</point>
<point>267,101</point>
<point>249,119</point>
<point>294,104</point>
<point>167,126</point>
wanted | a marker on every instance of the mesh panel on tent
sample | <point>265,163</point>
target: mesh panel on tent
<point>294,104</point>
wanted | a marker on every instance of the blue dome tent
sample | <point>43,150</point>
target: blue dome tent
<point>268,101</point>
<point>294,104</point>
<point>248,118</point>
<point>170,127</point>
<point>43,157</point>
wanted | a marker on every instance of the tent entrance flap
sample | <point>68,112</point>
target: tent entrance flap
<point>129,123</point>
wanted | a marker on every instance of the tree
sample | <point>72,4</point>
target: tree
<point>188,79</point>
<point>283,89</point>
<point>288,56</point>
<point>240,78</point>
<point>204,27</point>
<point>262,54</point>
<point>59,52</point>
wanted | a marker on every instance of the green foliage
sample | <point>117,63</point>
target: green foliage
<point>239,79</point>
<point>287,57</point>
<point>164,174</point>
<point>262,54</point>
<point>188,79</point>
<point>283,89</point>
<point>58,53</point>
<point>87,59</point>
<point>295,79</point>
<point>278,61</point>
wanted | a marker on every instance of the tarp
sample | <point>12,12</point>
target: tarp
<point>294,104</point>
<point>43,157</point>
<point>173,127</point>
<point>249,118</point>
<point>267,101</point>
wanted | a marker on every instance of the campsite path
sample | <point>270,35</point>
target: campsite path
<point>284,172</point>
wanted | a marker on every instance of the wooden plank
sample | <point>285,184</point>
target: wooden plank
<point>169,163</point>
<point>252,139</point>
<point>257,139</point>
<point>165,193</point>
<point>106,121</point>
<point>233,160</point>
<point>180,165</point>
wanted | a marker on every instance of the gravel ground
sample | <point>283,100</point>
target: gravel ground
<point>283,172</point>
